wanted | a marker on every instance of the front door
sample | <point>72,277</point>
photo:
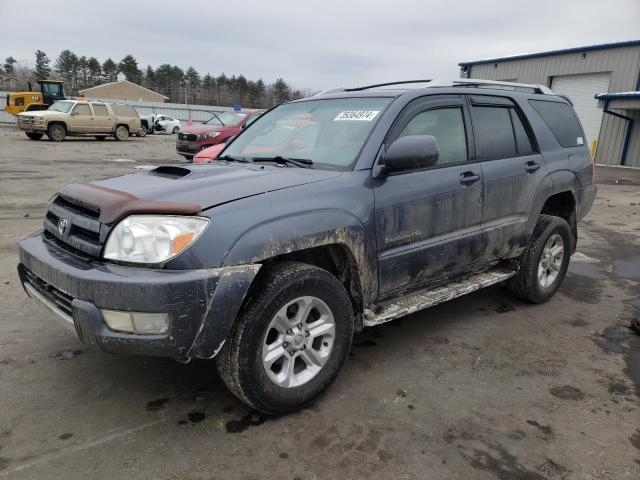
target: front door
<point>81,119</point>
<point>428,221</point>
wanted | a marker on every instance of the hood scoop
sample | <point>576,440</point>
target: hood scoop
<point>170,171</point>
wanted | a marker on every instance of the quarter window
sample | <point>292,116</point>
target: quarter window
<point>82,109</point>
<point>562,122</point>
<point>447,126</point>
<point>100,110</point>
<point>523,142</point>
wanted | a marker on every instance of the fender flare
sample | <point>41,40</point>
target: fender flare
<point>305,230</point>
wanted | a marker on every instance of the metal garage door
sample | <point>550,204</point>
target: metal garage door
<point>581,89</point>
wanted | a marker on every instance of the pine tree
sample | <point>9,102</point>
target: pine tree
<point>42,69</point>
<point>129,66</point>
<point>95,71</point>
<point>110,70</point>
<point>281,91</point>
<point>9,62</point>
<point>67,66</point>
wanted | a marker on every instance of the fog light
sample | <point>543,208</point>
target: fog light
<point>136,322</point>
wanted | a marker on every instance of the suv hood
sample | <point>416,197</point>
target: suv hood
<point>208,128</point>
<point>212,184</point>
<point>43,113</point>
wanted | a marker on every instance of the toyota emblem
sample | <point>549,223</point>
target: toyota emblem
<point>63,225</point>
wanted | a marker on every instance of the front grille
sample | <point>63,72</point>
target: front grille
<point>61,300</point>
<point>190,137</point>
<point>75,225</point>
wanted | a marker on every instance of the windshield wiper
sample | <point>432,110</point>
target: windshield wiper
<point>231,158</point>
<point>217,118</point>
<point>298,162</point>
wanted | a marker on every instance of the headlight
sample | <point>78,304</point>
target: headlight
<point>152,238</point>
<point>209,135</point>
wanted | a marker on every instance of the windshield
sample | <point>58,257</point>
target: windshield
<point>226,118</point>
<point>61,106</point>
<point>328,132</point>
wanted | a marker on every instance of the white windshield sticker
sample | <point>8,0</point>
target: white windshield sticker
<point>356,115</point>
<point>580,141</point>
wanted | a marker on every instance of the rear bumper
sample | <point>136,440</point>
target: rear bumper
<point>585,196</point>
<point>202,304</point>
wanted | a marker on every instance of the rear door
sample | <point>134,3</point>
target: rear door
<point>103,121</point>
<point>428,221</point>
<point>512,171</point>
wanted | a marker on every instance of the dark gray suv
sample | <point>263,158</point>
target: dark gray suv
<point>325,216</point>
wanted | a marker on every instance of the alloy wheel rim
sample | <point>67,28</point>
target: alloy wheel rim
<point>298,342</point>
<point>551,261</point>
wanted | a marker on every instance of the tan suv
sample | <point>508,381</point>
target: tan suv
<point>76,118</point>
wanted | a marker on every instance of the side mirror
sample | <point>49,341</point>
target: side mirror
<point>411,153</point>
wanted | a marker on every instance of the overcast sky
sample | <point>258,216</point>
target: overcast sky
<point>312,44</point>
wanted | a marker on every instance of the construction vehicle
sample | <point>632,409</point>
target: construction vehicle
<point>50,92</point>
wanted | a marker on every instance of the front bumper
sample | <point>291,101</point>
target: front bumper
<point>187,147</point>
<point>202,304</point>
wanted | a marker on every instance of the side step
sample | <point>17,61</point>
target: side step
<point>428,298</point>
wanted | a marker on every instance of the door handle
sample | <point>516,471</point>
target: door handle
<point>531,167</point>
<point>468,178</point>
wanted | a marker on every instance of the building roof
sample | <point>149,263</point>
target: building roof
<point>620,95</point>
<point>115,83</point>
<point>522,56</point>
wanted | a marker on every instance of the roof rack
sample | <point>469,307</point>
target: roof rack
<point>448,82</point>
<point>477,82</point>
<point>366,87</point>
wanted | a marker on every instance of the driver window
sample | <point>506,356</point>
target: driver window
<point>447,126</point>
<point>82,109</point>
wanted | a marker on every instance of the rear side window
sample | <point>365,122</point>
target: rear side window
<point>124,110</point>
<point>100,110</point>
<point>493,132</point>
<point>523,142</point>
<point>562,122</point>
<point>82,109</point>
<point>447,126</point>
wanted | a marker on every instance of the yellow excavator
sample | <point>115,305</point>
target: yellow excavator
<point>50,92</point>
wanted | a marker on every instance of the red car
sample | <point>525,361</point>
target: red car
<point>217,130</point>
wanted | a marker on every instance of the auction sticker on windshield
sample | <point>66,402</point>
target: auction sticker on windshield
<point>361,115</point>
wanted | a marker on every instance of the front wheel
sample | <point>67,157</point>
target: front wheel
<point>121,133</point>
<point>544,263</point>
<point>142,132</point>
<point>175,130</point>
<point>34,136</point>
<point>290,341</point>
<point>56,132</point>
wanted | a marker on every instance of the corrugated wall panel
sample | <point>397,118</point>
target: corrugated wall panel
<point>633,153</point>
<point>623,63</point>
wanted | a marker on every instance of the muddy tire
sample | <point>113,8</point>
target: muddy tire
<point>543,264</point>
<point>56,132</point>
<point>121,133</point>
<point>34,136</point>
<point>290,340</point>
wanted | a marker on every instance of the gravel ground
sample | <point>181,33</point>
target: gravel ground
<point>483,387</point>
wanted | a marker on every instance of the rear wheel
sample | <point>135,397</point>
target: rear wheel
<point>56,132</point>
<point>290,341</point>
<point>544,263</point>
<point>34,136</point>
<point>121,133</point>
